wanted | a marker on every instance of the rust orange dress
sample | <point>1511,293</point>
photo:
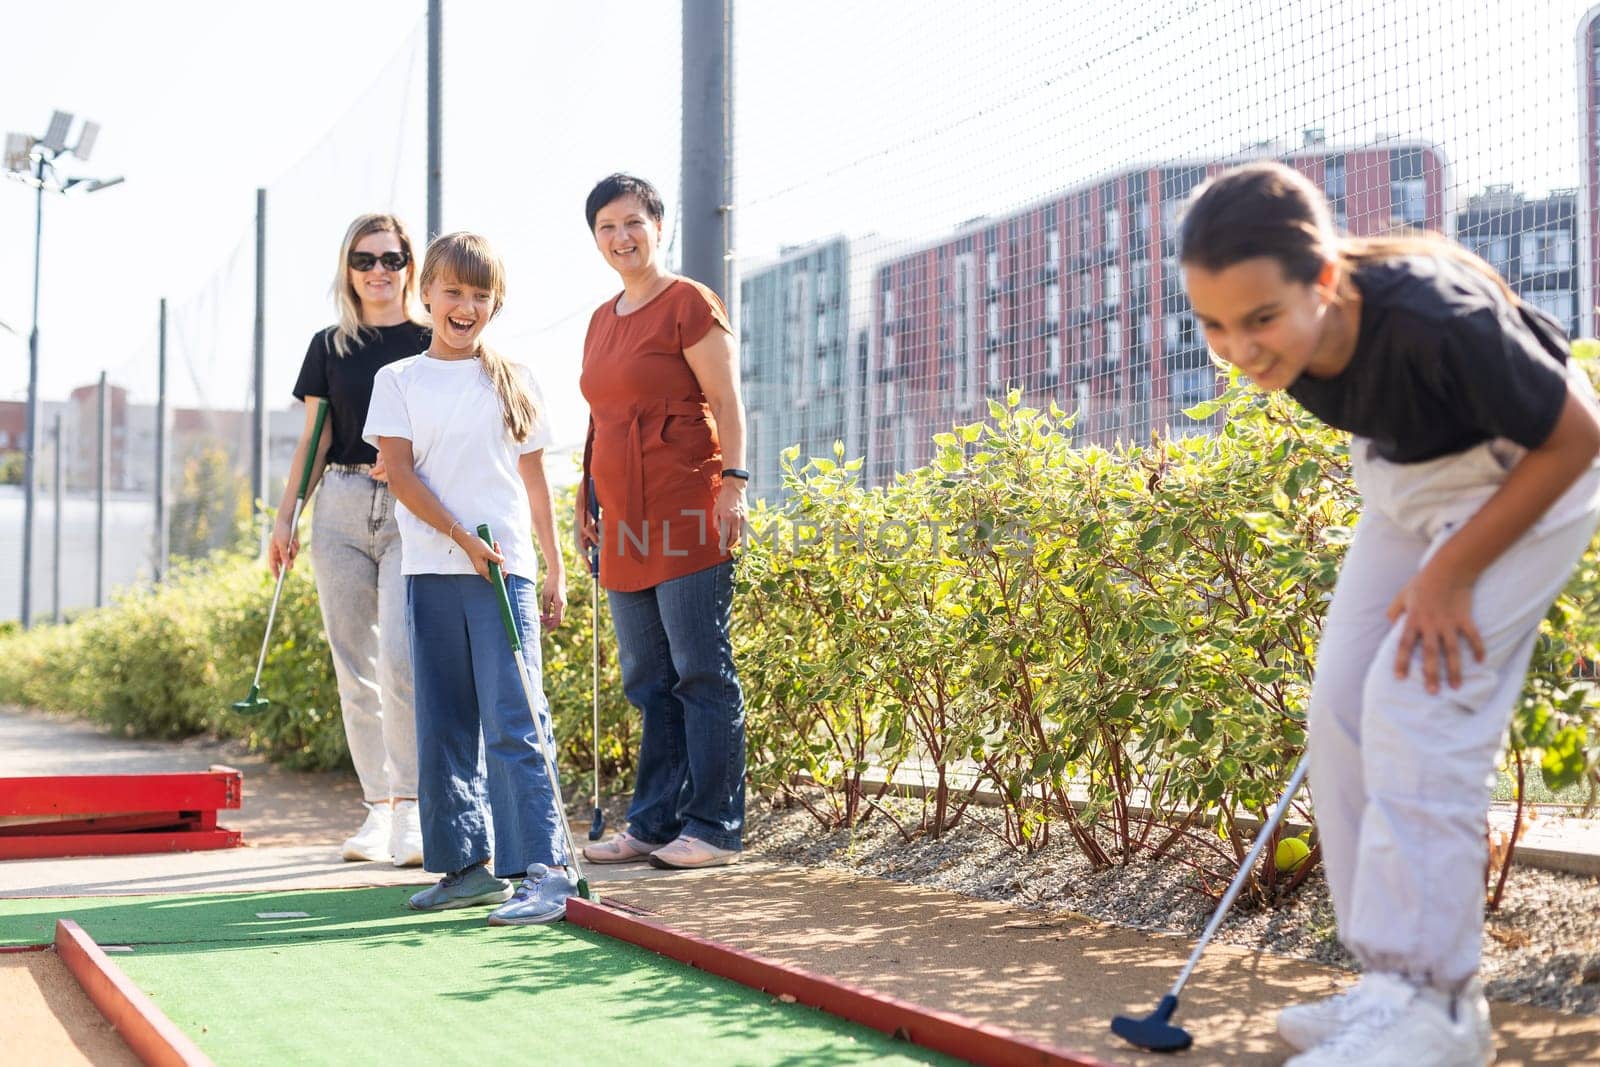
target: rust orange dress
<point>652,448</point>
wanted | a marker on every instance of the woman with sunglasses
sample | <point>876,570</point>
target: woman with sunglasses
<point>355,544</point>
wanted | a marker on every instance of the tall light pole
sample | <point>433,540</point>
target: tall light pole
<point>32,160</point>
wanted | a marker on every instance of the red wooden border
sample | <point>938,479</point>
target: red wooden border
<point>50,846</point>
<point>118,794</point>
<point>151,1035</point>
<point>941,1031</point>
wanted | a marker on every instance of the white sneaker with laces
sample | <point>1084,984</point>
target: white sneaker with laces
<point>1310,1024</point>
<point>1397,1024</point>
<point>371,842</point>
<point>405,834</point>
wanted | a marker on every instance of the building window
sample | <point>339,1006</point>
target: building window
<point>1557,303</point>
<point>1496,251</point>
<point>888,308</point>
<point>1113,343</point>
<point>1052,356</point>
<point>1052,249</point>
<point>1191,387</point>
<point>797,349</point>
<point>1546,250</point>
<point>1408,189</point>
<point>1052,303</point>
<point>1113,219</point>
<point>1113,283</point>
<point>991,268</point>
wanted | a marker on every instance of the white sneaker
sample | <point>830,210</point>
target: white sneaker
<point>1397,1024</point>
<point>371,842</point>
<point>405,834</point>
<point>1305,1026</point>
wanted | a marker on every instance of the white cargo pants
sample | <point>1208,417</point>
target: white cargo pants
<point>1401,779</point>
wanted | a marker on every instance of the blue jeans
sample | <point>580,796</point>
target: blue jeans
<point>473,726</point>
<point>677,669</point>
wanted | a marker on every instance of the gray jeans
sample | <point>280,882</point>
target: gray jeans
<point>355,555</point>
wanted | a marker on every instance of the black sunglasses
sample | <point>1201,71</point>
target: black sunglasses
<point>365,261</point>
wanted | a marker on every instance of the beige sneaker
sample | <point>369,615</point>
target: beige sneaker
<point>622,848</point>
<point>687,853</point>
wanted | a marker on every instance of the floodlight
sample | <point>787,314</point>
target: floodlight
<point>86,138</point>
<point>55,137</point>
<point>18,147</point>
<point>97,184</point>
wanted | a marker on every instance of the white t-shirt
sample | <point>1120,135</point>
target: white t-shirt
<point>463,453</point>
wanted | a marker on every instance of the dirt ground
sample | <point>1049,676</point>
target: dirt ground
<point>50,1020</point>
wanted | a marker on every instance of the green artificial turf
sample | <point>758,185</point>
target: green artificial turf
<point>362,980</point>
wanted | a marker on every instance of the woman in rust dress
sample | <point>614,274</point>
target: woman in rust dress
<point>665,457</point>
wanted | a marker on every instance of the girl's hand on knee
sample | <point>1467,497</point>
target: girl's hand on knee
<point>1437,610</point>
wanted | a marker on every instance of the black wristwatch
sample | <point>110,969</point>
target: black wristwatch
<point>735,472</point>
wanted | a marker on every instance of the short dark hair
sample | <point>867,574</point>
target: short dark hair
<point>615,186</point>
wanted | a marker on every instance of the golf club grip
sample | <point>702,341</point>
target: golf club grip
<point>311,450</point>
<point>592,554</point>
<point>500,587</point>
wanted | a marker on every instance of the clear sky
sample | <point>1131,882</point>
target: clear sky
<point>896,117</point>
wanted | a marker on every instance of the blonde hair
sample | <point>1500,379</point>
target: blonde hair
<point>347,332</point>
<point>467,258</point>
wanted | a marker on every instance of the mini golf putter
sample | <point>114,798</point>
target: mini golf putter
<point>1156,1031</point>
<point>597,823</point>
<point>255,703</point>
<point>545,743</point>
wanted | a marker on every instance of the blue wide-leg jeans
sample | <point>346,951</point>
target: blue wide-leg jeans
<point>677,668</point>
<point>470,702</point>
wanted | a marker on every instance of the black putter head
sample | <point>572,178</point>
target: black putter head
<point>598,826</point>
<point>1155,1031</point>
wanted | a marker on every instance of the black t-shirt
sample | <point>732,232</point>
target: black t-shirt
<point>1444,361</point>
<point>346,381</point>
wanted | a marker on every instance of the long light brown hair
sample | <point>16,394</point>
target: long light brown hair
<point>347,332</point>
<point>467,259</point>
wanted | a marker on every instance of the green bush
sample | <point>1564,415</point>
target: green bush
<point>1119,641</point>
<point>1116,642</point>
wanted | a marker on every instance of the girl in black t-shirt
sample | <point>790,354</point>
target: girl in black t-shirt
<point>1475,453</point>
<point>355,544</point>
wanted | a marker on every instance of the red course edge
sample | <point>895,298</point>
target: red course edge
<point>937,1030</point>
<point>149,1033</point>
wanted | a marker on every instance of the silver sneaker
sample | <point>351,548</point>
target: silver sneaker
<point>541,898</point>
<point>472,887</point>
